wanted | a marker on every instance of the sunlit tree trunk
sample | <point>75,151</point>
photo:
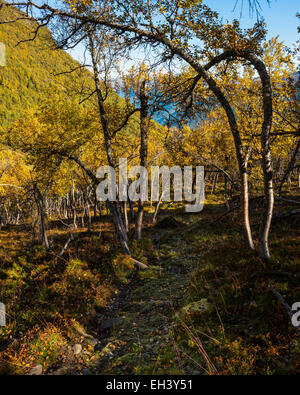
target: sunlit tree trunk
<point>143,150</point>
<point>113,206</point>
<point>266,154</point>
<point>40,202</point>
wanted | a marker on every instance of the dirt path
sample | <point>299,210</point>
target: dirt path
<point>136,327</point>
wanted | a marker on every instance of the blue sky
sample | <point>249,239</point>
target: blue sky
<point>280,16</point>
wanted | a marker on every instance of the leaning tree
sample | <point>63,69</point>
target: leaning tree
<point>185,31</point>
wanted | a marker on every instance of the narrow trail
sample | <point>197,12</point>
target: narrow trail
<point>137,325</point>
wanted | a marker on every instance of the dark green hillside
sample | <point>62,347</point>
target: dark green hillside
<point>29,75</point>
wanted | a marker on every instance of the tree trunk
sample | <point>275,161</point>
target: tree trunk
<point>266,155</point>
<point>245,211</point>
<point>126,223</point>
<point>113,206</point>
<point>154,218</point>
<point>226,193</point>
<point>131,209</point>
<point>40,202</point>
<point>291,165</point>
<point>143,150</point>
<point>139,221</point>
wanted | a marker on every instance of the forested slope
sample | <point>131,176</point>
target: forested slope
<point>33,69</point>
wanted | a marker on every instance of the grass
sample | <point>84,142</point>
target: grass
<point>45,295</point>
<point>204,306</point>
<point>245,330</point>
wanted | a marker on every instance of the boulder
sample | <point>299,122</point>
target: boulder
<point>36,370</point>
<point>86,372</point>
<point>197,309</point>
<point>77,348</point>
<point>65,370</point>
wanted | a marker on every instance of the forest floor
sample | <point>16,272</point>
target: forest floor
<point>204,306</point>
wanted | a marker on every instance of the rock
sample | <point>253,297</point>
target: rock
<point>110,323</point>
<point>81,331</point>
<point>62,371</point>
<point>93,342</point>
<point>36,370</point>
<point>197,309</point>
<point>86,372</point>
<point>77,348</point>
